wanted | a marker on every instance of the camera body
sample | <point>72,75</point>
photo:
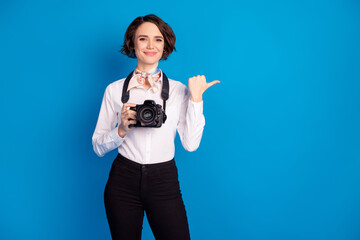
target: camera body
<point>149,114</point>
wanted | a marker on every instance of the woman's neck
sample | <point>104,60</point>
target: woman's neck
<point>146,68</point>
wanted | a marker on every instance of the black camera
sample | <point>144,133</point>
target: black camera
<point>149,114</point>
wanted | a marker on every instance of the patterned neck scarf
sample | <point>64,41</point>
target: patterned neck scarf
<point>139,78</point>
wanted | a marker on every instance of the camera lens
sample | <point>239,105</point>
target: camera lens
<point>147,114</point>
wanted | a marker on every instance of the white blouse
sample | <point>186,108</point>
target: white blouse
<point>149,145</point>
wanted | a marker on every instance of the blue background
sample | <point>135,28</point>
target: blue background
<point>280,154</point>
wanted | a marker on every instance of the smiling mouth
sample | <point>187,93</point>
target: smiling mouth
<point>150,53</point>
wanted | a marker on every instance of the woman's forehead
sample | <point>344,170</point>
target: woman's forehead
<point>148,29</point>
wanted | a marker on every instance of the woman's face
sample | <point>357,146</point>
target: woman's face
<point>149,44</point>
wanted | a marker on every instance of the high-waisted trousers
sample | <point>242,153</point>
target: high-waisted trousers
<point>133,189</point>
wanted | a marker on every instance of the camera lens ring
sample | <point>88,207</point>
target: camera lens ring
<point>146,114</point>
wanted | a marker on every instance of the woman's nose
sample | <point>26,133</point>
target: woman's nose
<point>150,44</point>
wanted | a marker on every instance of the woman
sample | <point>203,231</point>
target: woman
<point>143,177</point>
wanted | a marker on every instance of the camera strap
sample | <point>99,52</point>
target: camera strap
<point>164,91</point>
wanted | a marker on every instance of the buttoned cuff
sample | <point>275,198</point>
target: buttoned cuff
<point>196,110</point>
<point>114,135</point>
<point>198,106</point>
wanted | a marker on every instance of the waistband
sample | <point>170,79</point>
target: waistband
<point>131,163</point>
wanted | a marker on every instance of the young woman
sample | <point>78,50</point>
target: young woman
<point>143,177</point>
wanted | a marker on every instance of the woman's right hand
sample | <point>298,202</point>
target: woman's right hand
<point>127,117</point>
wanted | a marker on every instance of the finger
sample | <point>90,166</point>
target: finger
<point>128,112</point>
<point>131,117</point>
<point>212,83</point>
<point>127,122</point>
<point>125,109</point>
<point>125,119</point>
<point>126,105</point>
<point>129,105</point>
<point>124,114</point>
<point>130,122</point>
<point>131,111</point>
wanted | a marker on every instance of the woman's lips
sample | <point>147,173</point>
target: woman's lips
<point>150,53</point>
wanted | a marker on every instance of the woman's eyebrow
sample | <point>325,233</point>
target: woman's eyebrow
<point>148,36</point>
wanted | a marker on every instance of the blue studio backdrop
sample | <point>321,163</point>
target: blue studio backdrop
<point>280,153</point>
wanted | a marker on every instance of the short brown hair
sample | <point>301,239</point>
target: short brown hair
<point>169,36</point>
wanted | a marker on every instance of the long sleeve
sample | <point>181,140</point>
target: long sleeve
<point>106,137</point>
<point>191,123</point>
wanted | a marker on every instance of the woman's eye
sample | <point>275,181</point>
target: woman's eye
<point>159,40</point>
<point>142,39</point>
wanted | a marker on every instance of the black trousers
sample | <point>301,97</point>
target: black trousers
<point>133,189</point>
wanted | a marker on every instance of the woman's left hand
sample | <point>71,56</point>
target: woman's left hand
<point>197,87</point>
